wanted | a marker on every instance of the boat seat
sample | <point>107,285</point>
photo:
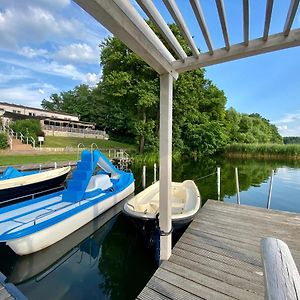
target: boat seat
<point>100,181</point>
<point>151,207</point>
<point>178,205</point>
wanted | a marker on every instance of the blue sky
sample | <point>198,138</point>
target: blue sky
<point>49,46</point>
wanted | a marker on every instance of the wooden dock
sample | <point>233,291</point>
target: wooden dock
<point>8,291</point>
<point>218,257</point>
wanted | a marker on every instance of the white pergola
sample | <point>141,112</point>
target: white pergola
<point>122,19</point>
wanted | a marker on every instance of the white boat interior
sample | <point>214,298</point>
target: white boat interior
<point>37,212</point>
<point>185,201</point>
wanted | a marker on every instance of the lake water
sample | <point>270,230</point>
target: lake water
<point>106,259</point>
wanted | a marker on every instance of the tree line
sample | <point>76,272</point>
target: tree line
<point>126,104</point>
<point>291,140</point>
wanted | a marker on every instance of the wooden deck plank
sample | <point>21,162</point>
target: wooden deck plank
<point>8,291</point>
<point>169,290</point>
<point>189,285</point>
<point>209,282</point>
<point>218,257</point>
<point>219,271</point>
<point>149,294</point>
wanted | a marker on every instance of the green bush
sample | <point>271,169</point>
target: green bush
<point>28,127</point>
<point>3,141</point>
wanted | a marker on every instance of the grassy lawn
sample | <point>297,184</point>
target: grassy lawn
<point>7,158</point>
<point>55,141</point>
<point>19,159</point>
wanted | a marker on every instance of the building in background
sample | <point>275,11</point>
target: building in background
<point>53,123</point>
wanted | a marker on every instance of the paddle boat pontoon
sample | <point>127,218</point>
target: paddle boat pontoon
<point>40,264</point>
<point>143,208</point>
<point>17,185</point>
<point>33,225</point>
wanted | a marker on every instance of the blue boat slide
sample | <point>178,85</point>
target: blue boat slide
<point>32,225</point>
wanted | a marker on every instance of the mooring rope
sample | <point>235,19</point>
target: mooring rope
<point>205,176</point>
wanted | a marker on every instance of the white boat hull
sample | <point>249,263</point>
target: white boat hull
<point>145,205</point>
<point>48,236</point>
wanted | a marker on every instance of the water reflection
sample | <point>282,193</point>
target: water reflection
<point>254,178</point>
<point>92,263</point>
<point>107,259</point>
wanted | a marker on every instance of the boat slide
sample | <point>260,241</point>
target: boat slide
<point>35,224</point>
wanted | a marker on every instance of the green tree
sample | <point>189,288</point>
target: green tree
<point>3,141</point>
<point>28,127</point>
<point>132,88</point>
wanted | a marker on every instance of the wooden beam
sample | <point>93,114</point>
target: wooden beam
<point>165,165</point>
<point>290,16</point>
<point>179,20</point>
<point>282,280</point>
<point>221,12</point>
<point>268,16</point>
<point>246,21</point>
<point>122,19</point>
<point>154,15</point>
<point>258,46</point>
<point>200,18</point>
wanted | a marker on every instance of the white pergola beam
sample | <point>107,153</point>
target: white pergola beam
<point>222,17</point>
<point>122,19</point>
<point>165,165</point>
<point>179,20</point>
<point>246,21</point>
<point>290,16</point>
<point>201,20</point>
<point>258,46</point>
<point>154,15</point>
<point>268,16</point>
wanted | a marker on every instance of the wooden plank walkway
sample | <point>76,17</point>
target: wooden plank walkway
<point>218,257</point>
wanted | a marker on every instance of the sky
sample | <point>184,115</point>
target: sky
<point>50,46</point>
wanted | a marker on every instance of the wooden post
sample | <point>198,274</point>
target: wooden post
<point>165,165</point>
<point>282,280</point>
<point>238,200</point>
<point>144,177</point>
<point>219,182</point>
<point>55,165</point>
<point>154,173</point>
<point>270,190</point>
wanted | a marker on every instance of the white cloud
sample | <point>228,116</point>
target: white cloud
<point>289,125</point>
<point>283,127</point>
<point>77,52</point>
<point>48,4</point>
<point>35,24</point>
<point>55,69</point>
<point>27,94</point>
<point>289,131</point>
<point>31,53</point>
<point>288,118</point>
<point>12,74</point>
<point>46,67</point>
<point>91,79</point>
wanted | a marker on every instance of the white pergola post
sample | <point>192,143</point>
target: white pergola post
<point>165,165</point>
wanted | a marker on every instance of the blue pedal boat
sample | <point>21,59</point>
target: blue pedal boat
<point>30,226</point>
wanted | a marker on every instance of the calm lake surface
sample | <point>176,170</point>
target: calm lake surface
<point>106,259</point>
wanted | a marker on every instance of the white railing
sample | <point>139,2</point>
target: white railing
<point>17,135</point>
<point>76,130</point>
